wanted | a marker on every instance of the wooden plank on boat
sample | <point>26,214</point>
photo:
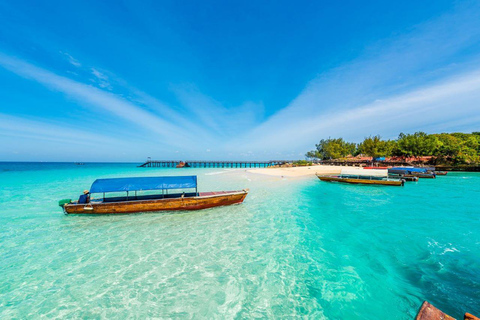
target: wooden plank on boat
<point>469,316</point>
<point>429,312</point>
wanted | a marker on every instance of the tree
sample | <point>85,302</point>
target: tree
<point>312,154</point>
<point>457,148</point>
<point>416,145</point>
<point>332,149</point>
<point>376,147</point>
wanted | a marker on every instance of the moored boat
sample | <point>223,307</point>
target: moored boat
<point>363,177</point>
<point>411,171</point>
<point>164,201</point>
<point>181,164</point>
<point>406,177</point>
<point>430,312</point>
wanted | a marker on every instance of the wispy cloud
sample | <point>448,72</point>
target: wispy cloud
<point>451,102</point>
<point>96,98</point>
<point>71,59</point>
<point>101,79</point>
<point>48,131</point>
<point>427,79</point>
<point>396,86</point>
<point>224,122</point>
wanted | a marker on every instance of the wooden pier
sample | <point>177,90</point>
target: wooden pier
<point>211,164</point>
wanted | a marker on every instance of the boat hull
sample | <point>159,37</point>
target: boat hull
<point>425,175</point>
<point>204,200</point>
<point>406,177</point>
<point>361,181</point>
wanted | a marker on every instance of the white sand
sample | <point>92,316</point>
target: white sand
<point>300,171</point>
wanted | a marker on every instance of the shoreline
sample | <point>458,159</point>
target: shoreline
<point>298,172</point>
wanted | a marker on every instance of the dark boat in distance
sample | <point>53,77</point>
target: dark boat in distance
<point>164,201</point>
<point>412,172</point>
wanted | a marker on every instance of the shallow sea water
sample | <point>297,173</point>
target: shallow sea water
<point>296,248</point>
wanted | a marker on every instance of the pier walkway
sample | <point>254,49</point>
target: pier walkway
<point>211,164</point>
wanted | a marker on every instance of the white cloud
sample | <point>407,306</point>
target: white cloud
<point>101,79</point>
<point>97,98</point>
<point>48,131</point>
<point>438,107</point>
<point>71,59</point>
<point>415,82</point>
<point>224,122</point>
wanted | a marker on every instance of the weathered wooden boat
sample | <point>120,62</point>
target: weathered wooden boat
<point>362,180</point>
<point>170,198</point>
<point>418,172</point>
<point>434,170</point>
<point>429,312</point>
<point>363,177</point>
<point>406,177</point>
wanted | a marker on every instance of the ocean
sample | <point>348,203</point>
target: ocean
<point>296,248</point>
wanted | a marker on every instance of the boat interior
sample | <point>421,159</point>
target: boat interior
<point>146,197</point>
<point>344,176</point>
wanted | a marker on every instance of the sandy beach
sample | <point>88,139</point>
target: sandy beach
<point>299,171</point>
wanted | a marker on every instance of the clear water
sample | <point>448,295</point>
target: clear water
<point>295,248</point>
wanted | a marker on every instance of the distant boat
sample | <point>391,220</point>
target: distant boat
<point>412,171</point>
<point>406,177</point>
<point>363,177</point>
<point>191,200</point>
<point>79,163</point>
<point>181,164</point>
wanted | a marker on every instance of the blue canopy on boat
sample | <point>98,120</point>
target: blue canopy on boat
<point>408,169</point>
<point>143,183</point>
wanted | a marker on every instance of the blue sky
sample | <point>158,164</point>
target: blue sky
<point>123,80</point>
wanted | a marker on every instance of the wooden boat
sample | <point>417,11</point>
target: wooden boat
<point>362,179</point>
<point>406,177</point>
<point>411,171</point>
<point>181,164</point>
<point>157,202</point>
<point>441,173</point>
<point>429,312</point>
<point>425,175</point>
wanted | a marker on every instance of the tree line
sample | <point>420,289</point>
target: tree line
<point>455,148</point>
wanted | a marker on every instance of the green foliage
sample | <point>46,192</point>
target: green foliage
<point>312,154</point>
<point>376,147</point>
<point>456,148</point>
<point>332,149</point>
<point>416,145</point>
<point>459,148</point>
<point>302,163</point>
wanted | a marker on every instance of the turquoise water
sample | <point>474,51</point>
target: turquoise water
<point>295,248</point>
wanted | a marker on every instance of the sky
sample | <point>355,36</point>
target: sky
<point>230,80</point>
